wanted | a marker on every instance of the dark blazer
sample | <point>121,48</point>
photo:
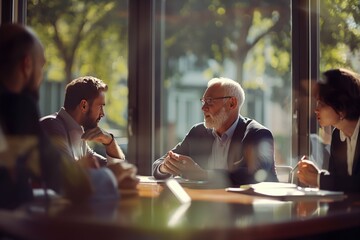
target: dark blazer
<point>251,149</point>
<point>339,179</point>
<point>19,118</point>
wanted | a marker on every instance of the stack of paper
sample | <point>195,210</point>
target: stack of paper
<point>284,191</point>
<point>151,179</point>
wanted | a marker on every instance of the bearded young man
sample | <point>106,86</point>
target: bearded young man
<point>26,154</point>
<point>77,122</point>
<point>227,148</point>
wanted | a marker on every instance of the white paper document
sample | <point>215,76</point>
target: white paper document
<point>151,179</point>
<point>284,191</point>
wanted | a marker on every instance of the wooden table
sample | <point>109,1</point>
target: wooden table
<point>212,214</point>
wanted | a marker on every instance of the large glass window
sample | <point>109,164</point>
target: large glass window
<point>191,42</point>
<point>85,37</point>
<point>248,41</point>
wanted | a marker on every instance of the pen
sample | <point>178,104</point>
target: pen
<point>291,175</point>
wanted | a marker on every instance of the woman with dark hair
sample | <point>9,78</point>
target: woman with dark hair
<point>338,105</point>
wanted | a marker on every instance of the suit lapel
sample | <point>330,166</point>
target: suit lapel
<point>356,163</point>
<point>338,159</point>
<point>236,143</point>
<point>202,150</point>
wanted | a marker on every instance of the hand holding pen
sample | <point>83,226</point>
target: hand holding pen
<point>307,172</point>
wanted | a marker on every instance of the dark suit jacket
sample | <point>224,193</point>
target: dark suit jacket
<point>339,179</point>
<point>251,149</point>
<point>19,118</point>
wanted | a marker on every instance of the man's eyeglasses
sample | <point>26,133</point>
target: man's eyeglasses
<point>209,101</point>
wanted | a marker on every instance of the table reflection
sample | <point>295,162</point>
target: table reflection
<point>158,213</point>
<point>212,213</point>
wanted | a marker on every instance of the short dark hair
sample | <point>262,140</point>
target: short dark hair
<point>87,88</point>
<point>15,42</point>
<point>340,89</point>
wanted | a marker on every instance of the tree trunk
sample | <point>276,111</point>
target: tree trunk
<point>239,61</point>
<point>68,70</point>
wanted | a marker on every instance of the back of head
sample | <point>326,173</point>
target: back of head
<point>87,88</point>
<point>231,87</point>
<point>16,41</point>
<point>340,89</point>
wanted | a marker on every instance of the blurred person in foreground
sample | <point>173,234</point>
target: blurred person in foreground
<point>338,105</point>
<point>226,149</point>
<point>77,123</point>
<point>26,155</point>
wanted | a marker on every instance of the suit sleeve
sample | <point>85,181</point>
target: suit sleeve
<point>344,183</point>
<point>180,148</point>
<point>257,163</point>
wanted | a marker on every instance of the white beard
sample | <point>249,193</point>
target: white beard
<point>217,120</point>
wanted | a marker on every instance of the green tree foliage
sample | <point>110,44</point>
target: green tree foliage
<point>86,37</point>
<point>339,33</point>
<point>230,29</point>
<point>256,36</point>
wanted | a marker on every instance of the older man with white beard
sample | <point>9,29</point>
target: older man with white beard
<point>227,148</point>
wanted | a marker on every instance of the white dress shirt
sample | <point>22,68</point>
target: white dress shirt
<point>220,148</point>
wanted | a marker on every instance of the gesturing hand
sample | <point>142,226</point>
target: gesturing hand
<point>171,166</point>
<point>125,174</point>
<point>308,172</point>
<point>183,165</point>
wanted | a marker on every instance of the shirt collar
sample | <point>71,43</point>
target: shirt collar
<point>228,133</point>
<point>355,133</point>
<point>71,124</point>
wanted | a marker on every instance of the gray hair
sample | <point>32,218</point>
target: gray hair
<point>231,87</point>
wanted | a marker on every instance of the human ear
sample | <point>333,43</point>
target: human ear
<point>233,102</point>
<point>84,105</point>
